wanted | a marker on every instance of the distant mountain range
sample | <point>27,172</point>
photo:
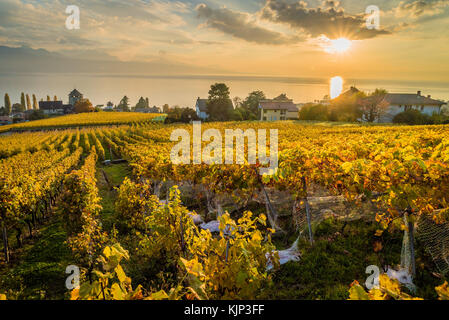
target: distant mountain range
<point>28,60</point>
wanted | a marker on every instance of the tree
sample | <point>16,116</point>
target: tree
<point>241,114</point>
<point>219,105</point>
<point>237,102</point>
<point>251,104</point>
<point>346,107</point>
<point>55,98</point>
<point>314,112</point>
<point>110,104</point>
<point>37,115</point>
<point>28,102</point>
<point>177,114</point>
<point>35,106</point>
<point>374,106</point>
<point>7,104</point>
<point>22,101</point>
<point>124,104</point>
<point>281,97</point>
<point>142,103</point>
<point>17,107</point>
<point>219,91</point>
<point>166,108</point>
<point>48,98</point>
<point>188,115</point>
<point>83,106</point>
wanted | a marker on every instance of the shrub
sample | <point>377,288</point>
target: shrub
<point>229,266</point>
<point>37,115</point>
<point>317,112</point>
<point>134,204</point>
<point>412,117</point>
<point>233,265</point>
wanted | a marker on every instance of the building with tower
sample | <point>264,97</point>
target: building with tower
<point>74,97</point>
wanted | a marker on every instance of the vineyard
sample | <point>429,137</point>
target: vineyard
<point>110,201</point>
<point>84,119</point>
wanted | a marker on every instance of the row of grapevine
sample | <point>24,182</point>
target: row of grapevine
<point>404,171</point>
<point>98,146</point>
<point>80,207</point>
<point>29,184</point>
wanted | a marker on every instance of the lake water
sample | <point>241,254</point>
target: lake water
<point>184,90</point>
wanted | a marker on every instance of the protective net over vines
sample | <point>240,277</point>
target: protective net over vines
<point>435,238</point>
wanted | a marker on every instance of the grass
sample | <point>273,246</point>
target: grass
<point>116,174</point>
<point>327,268</point>
<point>37,270</point>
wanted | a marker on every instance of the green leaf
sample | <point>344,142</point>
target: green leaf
<point>85,290</point>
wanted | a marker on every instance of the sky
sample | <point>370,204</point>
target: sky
<point>252,37</point>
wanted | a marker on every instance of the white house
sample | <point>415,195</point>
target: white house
<point>399,102</point>
<point>201,108</point>
<point>278,110</point>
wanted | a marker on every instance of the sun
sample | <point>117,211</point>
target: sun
<point>340,45</point>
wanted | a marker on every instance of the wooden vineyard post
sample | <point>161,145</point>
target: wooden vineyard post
<point>411,229</point>
<point>306,202</point>
<point>408,247</point>
<point>5,244</point>
<point>271,212</point>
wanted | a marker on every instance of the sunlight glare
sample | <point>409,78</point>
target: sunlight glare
<point>340,45</point>
<point>336,87</point>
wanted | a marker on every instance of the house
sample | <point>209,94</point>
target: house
<point>51,107</point>
<point>18,117</point>
<point>201,108</point>
<point>155,109</point>
<point>147,110</point>
<point>27,113</point>
<point>68,108</point>
<point>142,110</point>
<point>4,120</point>
<point>75,96</point>
<point>399,102</point>
<point>275,110</point>
<point>55,107</point>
